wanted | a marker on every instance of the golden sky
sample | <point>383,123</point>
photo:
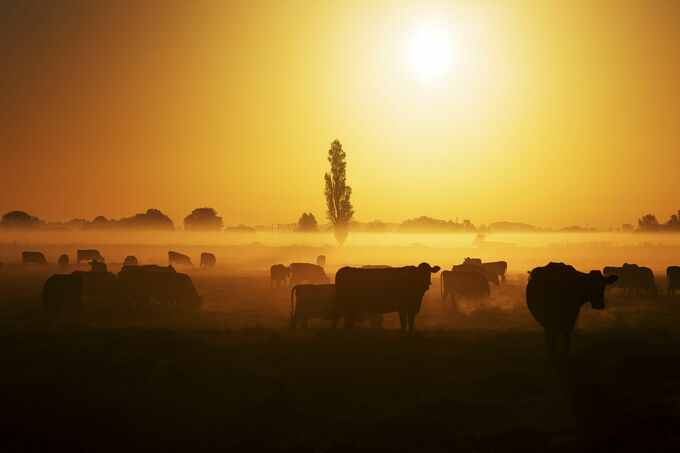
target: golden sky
<point>551,113</point>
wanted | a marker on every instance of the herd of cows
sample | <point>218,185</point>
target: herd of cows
<point>554,293</point>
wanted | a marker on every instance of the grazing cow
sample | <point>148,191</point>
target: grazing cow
<point>490,276</point>
<point>130,260</point>
<point>672,280</point>
<point>633,279</point>
<point>63,262</point>
<point>208,259</point>
<point>62,293</point>
<point>399,289</point>
<point>89,255</point>
<point>97,283</point>
<point>474,261</point>
<point>318,301</point>
<point>497,267</point>
<point>307,272</point>
<point>148,268</point>
<point>178,258</point>
<point>137,286</point>
<point>555,294</point>
<point>278,274</point>
<point>321,260</point>
<point>463,283</point>
<point>33,258</point>
<point>376,266</point>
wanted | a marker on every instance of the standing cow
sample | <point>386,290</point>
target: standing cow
<point>138,284</point>
<point>307,272</point>
<point>499,268</point>
<point>89,255</point>
<point>33,258</point>
<point>555,294</point>
<point>463,283</point>
<point>130,260</point>
<point>63,263</point>
<point>179,258</point>
<point>399,289</point>
<point>321,260</point>
<point>208,259</point>
<point>672,280</point>
<point>471,267</point>
<point>278,274</point>
<point>62,293</point>
<point>633,279</point>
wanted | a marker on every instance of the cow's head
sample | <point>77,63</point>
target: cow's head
<point>596,285</point>
<point>427,271</point>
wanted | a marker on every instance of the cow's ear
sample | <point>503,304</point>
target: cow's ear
<point>611,279</point>
<point>435,269</point>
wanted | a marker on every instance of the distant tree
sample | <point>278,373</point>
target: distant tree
<point>152,219</point>
<point>19,220</point>
<point>627,227</point>
<point>203,219</point>
<point>648,223</point>
<point>240,228</point>
<point>338,193</point>
<point>673,224</point>
<point>307,223</point>
<point>376,226</point>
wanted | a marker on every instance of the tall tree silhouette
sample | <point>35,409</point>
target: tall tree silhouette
<point>338,193</point>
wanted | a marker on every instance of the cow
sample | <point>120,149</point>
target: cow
<point>318,301</point>
<point>148,268</point>
<point>97,266</point>
<point>208,259</point>
<point>62,293</point>
<point>130,260</point>
<point>97,283</point>
<point>138,286</point>
<point>463,283</point>
<point>497,267</point>
<point>321,260</point>
<point>278,274</point>
<point>672,280</point>
<point>475,261</point>
<point>633,279</point>
<point>63,262</point>
<point>33,258</point>
<point>554,295</point>
<point>469,267</point>
<point>376,266</point>
<point>399,289</point>
<point>89,255</point>
<point>307,272</point>
<point>178,258</point>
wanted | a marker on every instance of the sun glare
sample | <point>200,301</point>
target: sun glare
<point>429,52</point>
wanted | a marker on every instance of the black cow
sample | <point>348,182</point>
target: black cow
<point>89,255</point>
<point>97,283</point>
<point>62,293</point>
<point>208,259</point>
<point>278,274</point>
<point>470,267</point>
<point>178,258</point>
<point>497,267</point>
<point>321,260</point>
<point>318,301</point>
<point>555,294</point>
<point>33,258</point>
<point>633,279</point>
<point>307,272</point>
<point>672,280</point>
<point>63,262</point>
<point>137,286</point>
<point>399,289</point>
<point>463,283</point>
<point>130,260</point>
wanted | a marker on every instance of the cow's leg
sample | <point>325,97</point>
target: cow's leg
<point>411,321</point>
<point>551,339</point>
<point>293,322</point>
<point>503,278</point>
<point>402,320</point>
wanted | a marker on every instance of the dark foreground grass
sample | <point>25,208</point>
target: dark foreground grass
<point>165,380</point>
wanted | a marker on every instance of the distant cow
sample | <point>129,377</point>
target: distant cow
<point>321,260</point>
<point>148,268</point>
<point>208,259</point>
<point>632,278</point>
<point>475,261</point>
<point>463,283</point>
<point>376,266</point>
<point>469,267</point>
<point>97,266</point>
<point>278,274</point>
<point>89,255</point>
<point>62,293</point>
<point>138,286</point>
<point>97,283</point>
<point>33,258</point>
<point>399,289</point>
<point>63,262</point>
<point>672,280</point>
<point>497,267</point>
<point>555,294</point>
<point>130,260</point>
<point>178,258</point>
<point>318,301</point>
<point>307,272</point>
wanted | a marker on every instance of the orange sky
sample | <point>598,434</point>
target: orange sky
<point>551,114</point>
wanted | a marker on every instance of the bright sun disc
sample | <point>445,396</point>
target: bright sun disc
<point>429,52</point>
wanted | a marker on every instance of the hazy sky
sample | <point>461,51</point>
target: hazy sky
<point>552,113</point>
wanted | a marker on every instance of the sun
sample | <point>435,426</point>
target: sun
<point>429,52</point>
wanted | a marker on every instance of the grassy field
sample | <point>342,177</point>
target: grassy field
<point>231,376</point>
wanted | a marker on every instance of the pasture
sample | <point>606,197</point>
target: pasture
<point>231,375</point>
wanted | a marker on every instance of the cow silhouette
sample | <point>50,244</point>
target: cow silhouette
<point>499,268</point>
<point>28,258</point>
<point>138,285</point>
<point>672,280</point>
<point>179,259</point>
<point>130,260</point>
<point>633,279</point>
<point>89,255</point>
<point>555,294</point>
<point>278,274</point>
<point>63,262</point>
<point>463,283</point>
<point>208,259</point>
<point>62,293</point>
<point>472,267</point>
<point>321,260</point>
<point>307,272</point>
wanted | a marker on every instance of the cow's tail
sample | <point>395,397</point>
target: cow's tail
<point>292,304</point>
<point>441,285</point>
